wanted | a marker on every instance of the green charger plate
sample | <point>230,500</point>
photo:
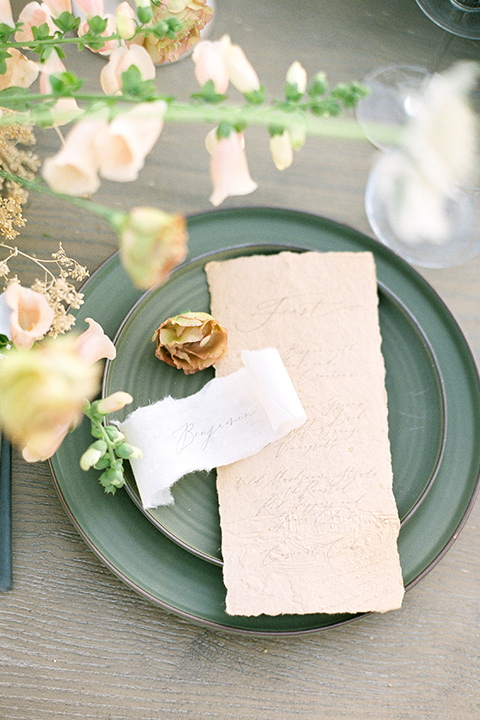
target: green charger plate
<point>414,386</point>
<point>176,579</point>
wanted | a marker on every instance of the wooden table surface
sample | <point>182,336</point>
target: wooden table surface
<point>75,642</point>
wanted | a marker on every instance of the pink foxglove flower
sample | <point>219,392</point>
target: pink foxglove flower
<point>33,14</point>
<point>57,7</point>
<point>126,142</point>
<point>222,62</point>
<point>31,315</point>
<point>240,71</point>
<point>209,65</point>
<point>74,169</point>
<point>228,167</point>
<point>90,8</point>
<point>111,29</point>
<point>119,61</point>
<point>20,72</point>
<point>93,345</point>
<point>6,17</point>
<point>152,244</point>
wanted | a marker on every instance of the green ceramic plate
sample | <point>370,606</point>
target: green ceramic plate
<point>179,581</point>
<point>414,386</point>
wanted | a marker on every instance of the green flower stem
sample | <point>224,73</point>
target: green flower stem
<point>198,113</point>
<point>115,218</point>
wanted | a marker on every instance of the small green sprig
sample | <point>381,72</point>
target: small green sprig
<point>108,451</point>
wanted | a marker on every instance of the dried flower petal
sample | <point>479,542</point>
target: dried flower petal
<point>191,341</point>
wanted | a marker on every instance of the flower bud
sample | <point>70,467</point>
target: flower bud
<point>190,342</point>
<point>92,454</point>
<point>296,79</point>
<point>125,20</point>
<point>281,149</point>
<point>114,402</point>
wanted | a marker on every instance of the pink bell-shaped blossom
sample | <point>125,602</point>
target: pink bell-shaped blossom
<point>90,8</point>
<point>222,62</point>
<point>93,345</point>
<point>228,166</point>
<point>57,7</point>
<point>31,315</point>
<point>123,146</point>
<point>74,169</point>
<point>33,14</point>
<point>119,61</point>
<point>6,17</point>
<point>20,72</point>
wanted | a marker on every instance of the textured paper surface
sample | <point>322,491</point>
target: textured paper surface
<point>310,524</point>
<point>230,418</point>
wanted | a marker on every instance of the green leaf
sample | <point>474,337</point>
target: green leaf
<point>66,22</point>
<point>224,129</point>
<point>134,86</point>
<point>144,14</point>
<point>65,84</point>
<point>255,97</point>
<point>97,25</point>
<point>6,31</point>
<point>209,94</point>
<point>42,32</point>
<point>15,98</point>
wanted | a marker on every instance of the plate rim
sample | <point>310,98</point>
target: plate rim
<point>439,548</point>
<point>238,251</point>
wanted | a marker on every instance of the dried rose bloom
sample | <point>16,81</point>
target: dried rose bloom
<point>191,341</point>
<point>193,16</point>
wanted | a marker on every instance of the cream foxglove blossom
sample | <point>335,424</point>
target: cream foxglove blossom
<point>74,169</point>
<point>6,17</point>
<point>119,61</point>
<point>20,72</point>
<point>228,166</point>
<point>152,244</point>
<point>281,149</point>
<point>125,143</point>
<point>31,315</point>
<point>114,402</point>
<point>222,62</point>
<point>42,394</point>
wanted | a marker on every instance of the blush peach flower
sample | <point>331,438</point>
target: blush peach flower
<point>20,72</point>
<point>119,61</point>
<point>6,17</point>
<point>33,14</point>
<point>90,8</point>
<point>31,315</point>
<point>74,169</point>
<point>125,20</point>
<point>123,146</point>
<point>193,16</point>
<point>43,390</point>
<point>152,244</point>
<point>228,166</point>
<point>42,393</point>
<point>110,29</point>
<point>93,345</point>
<point>57,7</point>
<point>222,62</point>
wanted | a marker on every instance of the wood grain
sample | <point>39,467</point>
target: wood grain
<point>77,643</point>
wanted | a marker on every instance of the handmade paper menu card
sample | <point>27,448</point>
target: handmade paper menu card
<point>309,524</point>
